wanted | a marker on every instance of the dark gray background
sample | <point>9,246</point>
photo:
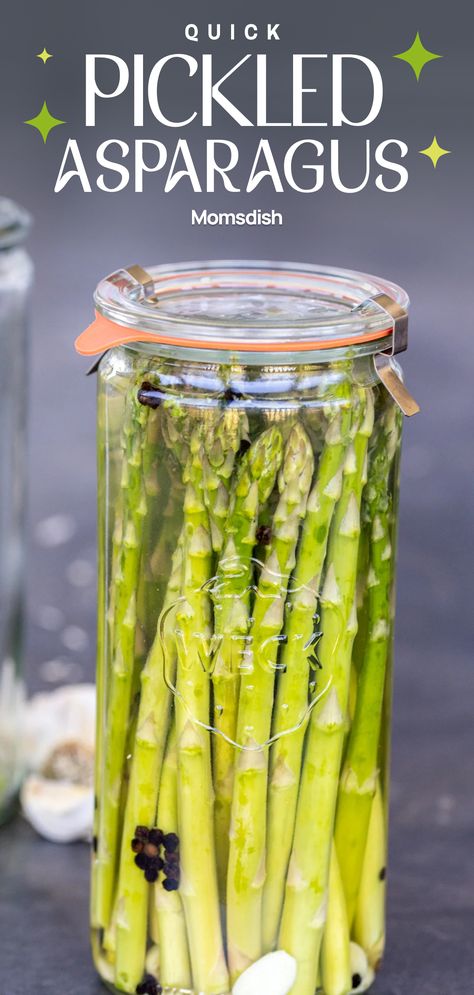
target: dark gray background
<point>421,238</point>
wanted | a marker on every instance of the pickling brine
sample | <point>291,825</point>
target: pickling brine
<point>247,532</point>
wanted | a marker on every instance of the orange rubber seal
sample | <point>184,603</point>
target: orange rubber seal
<point>104,334</point>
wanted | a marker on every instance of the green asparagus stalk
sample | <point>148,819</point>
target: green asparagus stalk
<point>178,425</point>
<point>153,919</point>
<point>108,573</point>
<point>221,442</point>
<point>123,650</point>
<point>199,890</point>
<point>170,521</point>
<point>369,922</point>
<point>246,872</point>
<point>119,473</point>
<point>156,483</point>
<point>336,960</point>
<point>175,970</point>
<point>291,706</point>
<point>305,904</point>
<point>109,941</point>
<point>359,776</point>
<point>142,797</point>
<point>360,640</point>
<point>253,484</point>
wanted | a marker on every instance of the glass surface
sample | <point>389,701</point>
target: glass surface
<point>15,223</point>
<point>15,280</point>
<point>247,527</point>
<point>234,306</point>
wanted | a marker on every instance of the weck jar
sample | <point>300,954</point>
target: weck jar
<point>249,431</point>
<point>15,282</point>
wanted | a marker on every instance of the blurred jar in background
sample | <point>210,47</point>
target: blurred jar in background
<point>16,272</point>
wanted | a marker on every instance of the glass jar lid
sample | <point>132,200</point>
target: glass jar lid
<point>246,307</point>
<point>15,223</point>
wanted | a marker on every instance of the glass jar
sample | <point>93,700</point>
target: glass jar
<point>15,281</point>
<point>248,486</point>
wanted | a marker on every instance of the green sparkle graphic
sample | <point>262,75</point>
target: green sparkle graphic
<point>44,56</point>
<point>44,122</point>
<point>417,56</point>
<point>434,152</point>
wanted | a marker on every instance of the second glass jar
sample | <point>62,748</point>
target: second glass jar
<point>16,275</point>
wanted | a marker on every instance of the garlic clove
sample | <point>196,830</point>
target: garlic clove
<point>361,970</point>
<point>66,715</point>
<point>70,761</point>
<point>152,962</point>
<point>273,974</point>
<point>59,811</point>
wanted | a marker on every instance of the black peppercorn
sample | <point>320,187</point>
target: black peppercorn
<point>263,534</point>
<point>148,395</point>
<point>383,874</point>
<point>151,874</point>
<point>170,885</point>
<point>170,842</point>
<point>171,871</point>
<point>229,395</point>
<point>356,980</point>
<point>142,832</point>
<point>172,858</point>
<point>155,836</point>
<point>149,986</point>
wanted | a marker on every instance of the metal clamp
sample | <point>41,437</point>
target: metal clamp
<point>138,275</point>
<point>399,320</point>
<point>384,366</point>
<point>387,372</point>
<point>143,277</point>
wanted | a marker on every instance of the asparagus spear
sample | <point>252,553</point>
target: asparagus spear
<point>156,483</point>
<point>198,888</point>
<point>246,872</point>
<point>336,960</point>
<point>253,484</point>
<point>221,443</point>
<point>175,971</point>
<point>291,706</point>
<point>150,737</point>
<point>359,776</point>
<point>178,426</point>
<point>305,904</point>
<point>369,922</point>
<point>123,648</point>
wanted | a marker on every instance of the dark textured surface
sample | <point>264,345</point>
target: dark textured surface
<point>44,896</point>
<point>421,238</point>
<point>43,908</point>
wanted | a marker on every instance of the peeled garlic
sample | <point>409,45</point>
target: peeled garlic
<point>152,962</point>
<point>360,967</point>
<point>57,797</point>
<point>59,811</point>
<point>66,715</point>
<point>273,974</point>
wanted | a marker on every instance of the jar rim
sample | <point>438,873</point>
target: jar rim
<point>15,223</point>
<point>241,306</point>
